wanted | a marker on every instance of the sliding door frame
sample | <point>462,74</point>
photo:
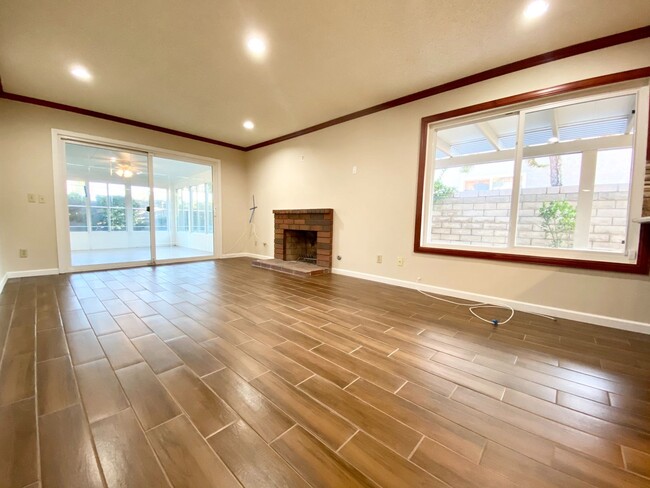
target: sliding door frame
<point>60,137</point>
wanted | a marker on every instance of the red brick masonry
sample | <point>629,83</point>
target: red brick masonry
<point>320,220</point>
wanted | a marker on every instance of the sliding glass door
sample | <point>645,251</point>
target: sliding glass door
<point>108,197</point>
<point>129,207</point>
<point>184,216</point>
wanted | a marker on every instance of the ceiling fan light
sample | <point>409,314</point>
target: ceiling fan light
<point>128,173</point>
<point>119,172</point>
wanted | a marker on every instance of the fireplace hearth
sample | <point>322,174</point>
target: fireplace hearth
<point>303,242</point>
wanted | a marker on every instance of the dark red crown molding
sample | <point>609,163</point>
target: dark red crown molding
<point>565,52</point>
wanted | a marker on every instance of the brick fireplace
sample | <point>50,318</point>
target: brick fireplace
<point>304,235</point>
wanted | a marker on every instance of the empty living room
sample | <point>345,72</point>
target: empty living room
<point>326,244</point>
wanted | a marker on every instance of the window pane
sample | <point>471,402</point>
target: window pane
<point>76,192</point>
<point>118,219</point>
<point>98,194</point>
<point>116,194</point>
<point>472,183</point>
<point>609,212</point>
<point>575,184</point>
<point>548,201</point>
<point>99,219</point>
<point>77,216</point>
<point>161,204</point>
<point>209,218</point>
<point>140,202</point>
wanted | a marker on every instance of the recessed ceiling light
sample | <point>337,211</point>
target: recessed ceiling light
<point>248,125</point>
<point>256,46</point>
<point>536,9</point>
<point>81,73</point>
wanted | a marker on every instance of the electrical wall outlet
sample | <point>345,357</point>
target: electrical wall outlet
<point>379,258</point>
<point>22,253</point>
<point>41,199</point>
<point>31,197</point>
<point>400,261</point>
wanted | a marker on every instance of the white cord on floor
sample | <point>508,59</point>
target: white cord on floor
<point>473,306</point>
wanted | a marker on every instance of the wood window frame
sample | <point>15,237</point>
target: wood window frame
<point>642,264</point>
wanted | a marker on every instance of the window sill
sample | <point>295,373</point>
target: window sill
<point>641,267</point>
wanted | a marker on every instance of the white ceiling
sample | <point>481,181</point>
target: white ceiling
<point>183,65</point>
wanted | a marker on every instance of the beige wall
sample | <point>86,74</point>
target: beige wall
<point>375,208</point>
<point>26,167</point>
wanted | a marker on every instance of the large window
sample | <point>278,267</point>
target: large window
<point>559,180</point>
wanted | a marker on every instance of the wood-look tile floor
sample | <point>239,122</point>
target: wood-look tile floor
<point>217,374</point>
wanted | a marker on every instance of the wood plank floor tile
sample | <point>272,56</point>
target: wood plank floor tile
<point>124,453</point>
<point>149,399</point>
<point>236,359</point>
<point>586,423</point>
<point>322,335</point>
<point>553,431</point>
<point>103,323</point>
<point>18,438</point>
<point>491,428</point>
<point>637,461</point>
<point>17,378</point>
<point>74,321</point>
<point>140,308</point>
<point>92,304</point>
<point>67,454</point>
<point>193,329</point>
<point>260,334</point>
<point>332,429</point>
<point>595,472</point>
<point>317,464</point>
<point>20,340</point>
<point>450,434</point>
<point>101,392</point>
<point>604,412</point>
<point>317,364</point>
<point>365,341</point>
<point>264,417</point>
<point>195,357</point>
<point>383,466</point>
<point>187,459</point>
<point>227,331</point>
<point>84,347</point>
<point>50,344</point>
<point>454,469</point>
<point>207,411</point>
<point>115,306</point>
<point>56,385</point>
<point>454,375</point>
<point>391,432</point>
<point>162,327</point>
<point>252,461</point>
<point>119,350</point>
<point>281,365</point>
<point>525,471</point>
<point>406,371</point>
<point>156,353</point>
<point>290,334</point>
<point>132,325</point>
<point>361,368</point>
<point>508,379</point>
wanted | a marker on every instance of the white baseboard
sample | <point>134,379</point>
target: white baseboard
<point>3,282</point>
<point>32,272</point>
<point>606,321</point>
<point>244,255</point>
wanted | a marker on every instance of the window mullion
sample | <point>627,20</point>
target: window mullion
<point>516,181</point>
